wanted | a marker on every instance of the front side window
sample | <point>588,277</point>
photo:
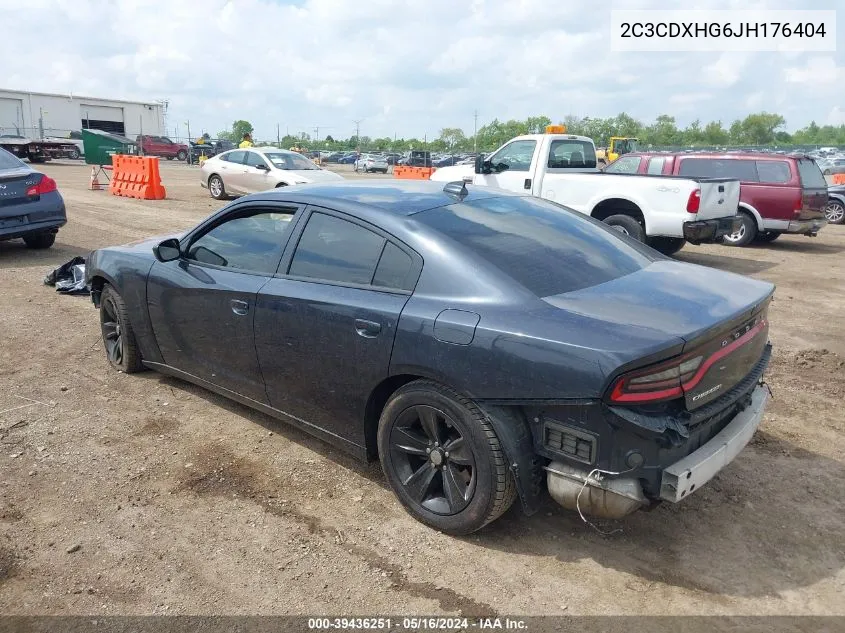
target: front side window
<point>333,249</point>
<point>285,160</point>
<point>515,156</point>
<point>251,243</point>
<point>624,165</point>
<point>255,160</point>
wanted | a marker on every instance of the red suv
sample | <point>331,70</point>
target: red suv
<point>779,193</point>
<point>161,146</point>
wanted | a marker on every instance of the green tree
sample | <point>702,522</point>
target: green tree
<point>536,124</point>
<point>663,132</point>
<point>239,128</point>
<point>715,134</point>
<point>760,128</point>
<point>453,138</point>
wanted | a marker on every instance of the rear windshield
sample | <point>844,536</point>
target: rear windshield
<point>545,247</point>
<point>9,160</point>
<point>571,153</point>
<point>811,175</point>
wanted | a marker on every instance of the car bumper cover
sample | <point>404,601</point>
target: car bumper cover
<point>710,230</point>
<point>690,473</point>
<point>806,227</point>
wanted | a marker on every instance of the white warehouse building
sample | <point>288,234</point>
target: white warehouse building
<point>40,114</point>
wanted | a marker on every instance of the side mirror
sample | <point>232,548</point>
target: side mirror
<point>262,167</point>
<point>168,250</point>
<point>479,164</point>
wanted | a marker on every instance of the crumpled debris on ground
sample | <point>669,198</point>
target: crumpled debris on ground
<point>69,278</point>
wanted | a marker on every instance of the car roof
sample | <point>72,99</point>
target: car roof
<point>396,197</point>
<point>720,155</point>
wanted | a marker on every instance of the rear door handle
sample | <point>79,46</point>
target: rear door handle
<point>367,329</point>
<point>239,307</point>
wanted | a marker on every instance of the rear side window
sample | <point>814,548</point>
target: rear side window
<point>624,165</point>
<point>811,175</point>
<point>395,269</point>
<point>235,157</point>
<point>333,249</point>
<point>545,247</point>
<point>569,153</point>
<point>743,170</point>
<point>773,171</point>
<point>655,165</point>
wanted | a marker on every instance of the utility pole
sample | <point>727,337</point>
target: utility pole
<point>358,135</point>
<point>475,135</point>
<point>278,138</point>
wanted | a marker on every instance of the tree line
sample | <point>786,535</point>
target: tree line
<point>760,129</point>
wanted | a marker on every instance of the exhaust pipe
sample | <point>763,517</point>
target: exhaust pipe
<point>601,497</point>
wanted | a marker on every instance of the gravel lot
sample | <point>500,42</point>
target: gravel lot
<point>143,494</point>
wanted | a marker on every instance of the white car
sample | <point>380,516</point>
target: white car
<point>368,163</point>
<point>244,171</point>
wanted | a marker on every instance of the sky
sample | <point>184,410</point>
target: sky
<point>405,68</point>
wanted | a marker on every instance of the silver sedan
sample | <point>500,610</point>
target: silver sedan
<point>370,162</point>
<point>244,171</point>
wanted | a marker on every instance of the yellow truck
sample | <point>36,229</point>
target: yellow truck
<point>618,145</point>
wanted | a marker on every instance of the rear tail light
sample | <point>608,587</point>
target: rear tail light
<point>799,205</point>
<point>45,185</point>
<point>672,379</point>
<point>694,201</point>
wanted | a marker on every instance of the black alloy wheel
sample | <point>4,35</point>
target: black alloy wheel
<point>432,459</point>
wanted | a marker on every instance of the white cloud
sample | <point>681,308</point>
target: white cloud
<point>836,116</point>
<point>405,68</point>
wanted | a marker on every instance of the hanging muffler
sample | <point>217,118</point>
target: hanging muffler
<point>592,493</point>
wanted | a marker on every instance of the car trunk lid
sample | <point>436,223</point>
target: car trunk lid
<point>14,184</point>
<point>719,316</point>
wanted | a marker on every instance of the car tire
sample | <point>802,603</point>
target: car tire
<point>117,334</point>
<point>667,245</point>
<point>216,187</point>
<point>39,240</point>
<point>763,237</point>
<point>73,154</point>
<point>458,493</point>
<point>627,225</point>
<point>181,155</point>
<point>835,212</point>
<point>746,233</point>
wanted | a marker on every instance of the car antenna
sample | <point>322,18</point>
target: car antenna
<point>458,188</point>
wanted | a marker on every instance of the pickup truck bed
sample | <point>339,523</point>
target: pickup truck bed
<point>663,211</point>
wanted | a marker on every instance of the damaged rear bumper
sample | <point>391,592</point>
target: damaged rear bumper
<point>615,496</point>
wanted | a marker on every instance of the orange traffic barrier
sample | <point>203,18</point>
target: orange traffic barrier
<point>136,177</point>
<point>839,179</point>
<point>413,173</point>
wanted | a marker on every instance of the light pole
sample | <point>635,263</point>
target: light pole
<point>358,135</point>
<point>475,135</point>
<point>188,124</point>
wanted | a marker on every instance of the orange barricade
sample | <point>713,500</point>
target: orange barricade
<point>136,177</point>
<point>413,173</point>
<point>839,179</point>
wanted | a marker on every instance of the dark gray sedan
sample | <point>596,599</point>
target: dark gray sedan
<point>31,206</point>
<point>476,342</point>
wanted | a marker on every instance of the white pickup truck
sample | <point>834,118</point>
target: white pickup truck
<point>663,211</point>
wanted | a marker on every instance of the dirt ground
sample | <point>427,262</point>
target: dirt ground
<point>143,494</point>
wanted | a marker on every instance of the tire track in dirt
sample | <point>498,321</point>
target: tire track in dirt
<point>219,473</point>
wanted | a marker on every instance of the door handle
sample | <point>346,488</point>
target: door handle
<point>239,307</point>
<point>367,329</point>
<point>527,184</point>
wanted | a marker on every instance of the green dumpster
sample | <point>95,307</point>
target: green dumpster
<point>101,146</point>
